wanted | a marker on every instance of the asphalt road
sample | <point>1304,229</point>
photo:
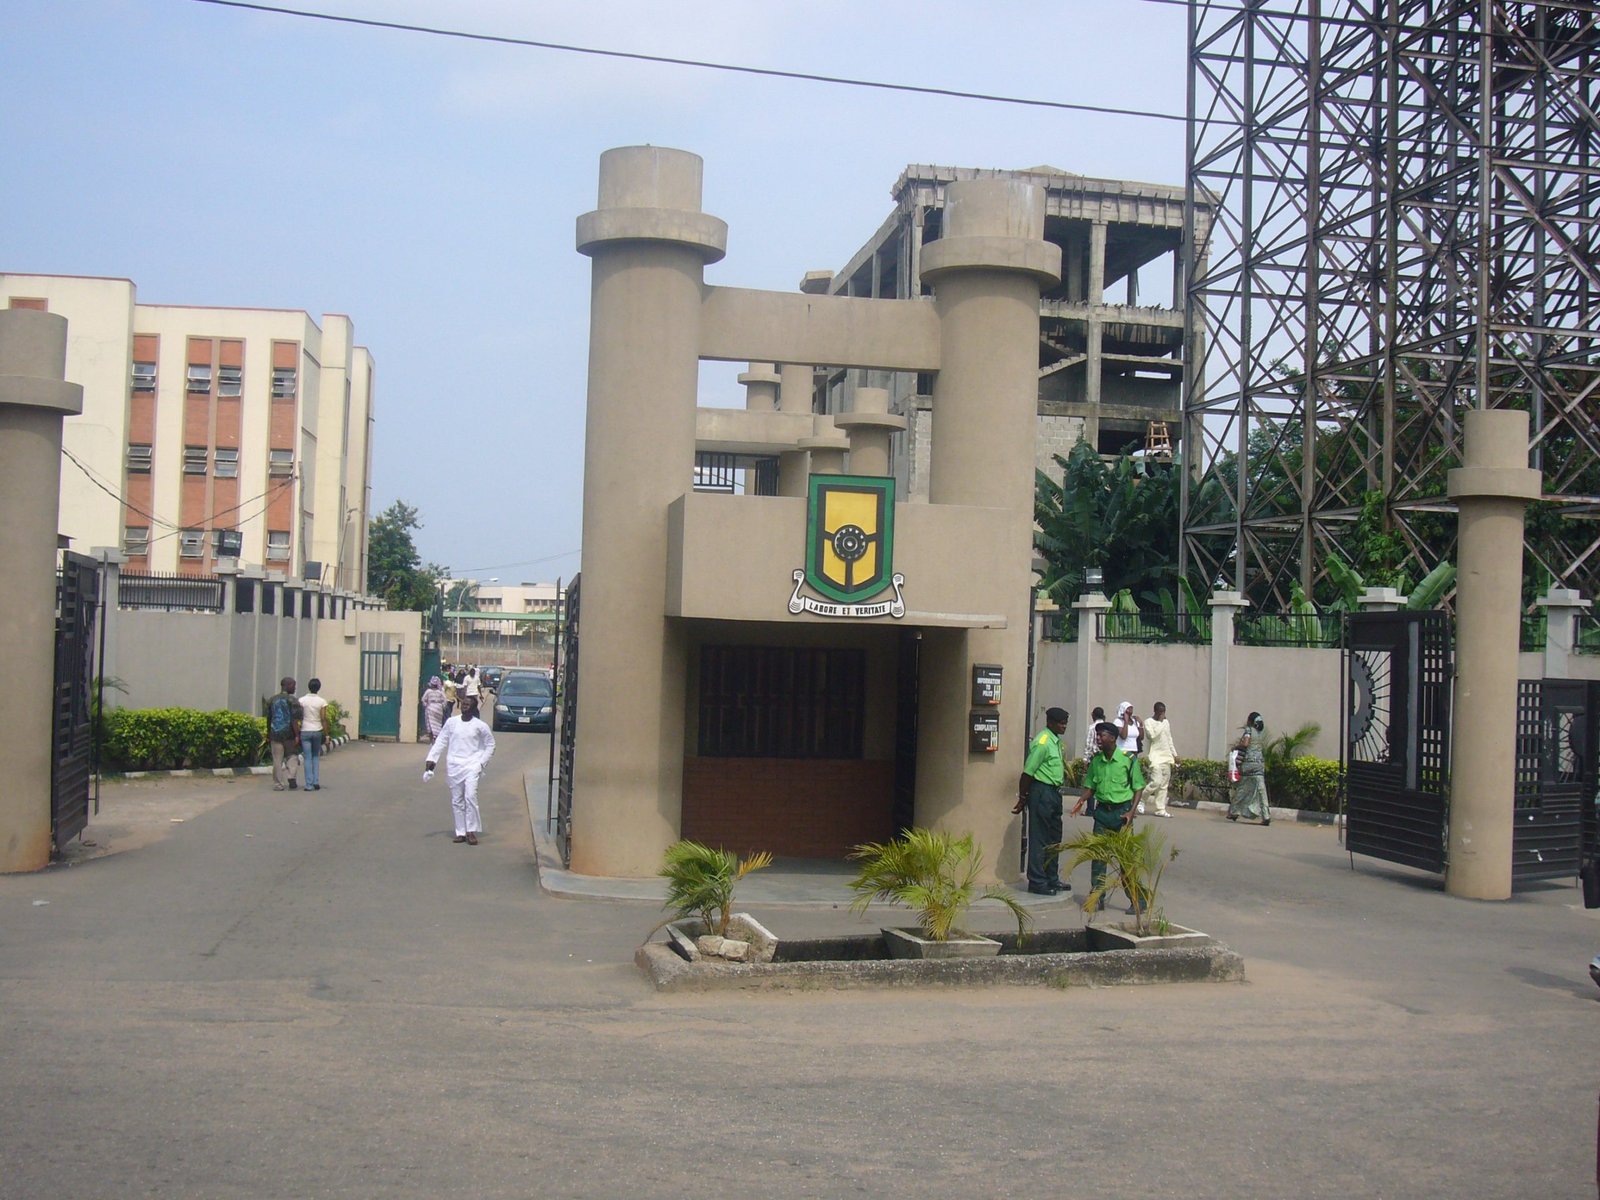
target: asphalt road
<point>264,994</point>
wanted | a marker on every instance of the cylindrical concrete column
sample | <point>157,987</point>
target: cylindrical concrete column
<point>760,384</point>
<point>650,243</point>
<point>34,400</point>
<point>1491,490</point>
<point>986,272</point>
<point>870,426</point>
<point>826,447</point>
<point>795,391</point>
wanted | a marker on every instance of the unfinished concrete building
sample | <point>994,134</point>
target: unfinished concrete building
<point>1110,361</point>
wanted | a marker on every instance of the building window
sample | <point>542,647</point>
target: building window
<point>192,543</point>
<point>283,383</point>
<point>230,381</point>
<point>781,702</point>
<point>280,462</point>
<point>194,460</point>
<point>144,377</point>
<point>139,456</point>
<point>199,377</point>
<point>277,545</point>
<point>227,543</point>
<point>136,541</point>
<point>227,462</point>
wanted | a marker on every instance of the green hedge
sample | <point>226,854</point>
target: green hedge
<point>167,739</point>
<point>333,718</point>
<point>1306,783</point>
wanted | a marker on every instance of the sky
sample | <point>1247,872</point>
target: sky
<point>427,187</point>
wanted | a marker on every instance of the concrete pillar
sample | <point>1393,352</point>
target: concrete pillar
<point>1562,607</point>
<point>34,400</point>
<point>1087,607</point>
<point>794,470</point>
<point>1491,490</point>
<point>1097,263</point>
<point>649,242</point>
<point>987,272</point>
<point>825,448</point>
<point>794,392</point>
<point>1094,332</point>
<point>760,387</point>
<point>1382,599</point>
<point>870,426</point>
<point>1220,723</point>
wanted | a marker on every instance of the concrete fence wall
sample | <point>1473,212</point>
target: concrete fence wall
<point>234,660</point>
<point>1290,686</point>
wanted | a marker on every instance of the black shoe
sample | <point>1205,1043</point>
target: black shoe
<point>293,786</point>
<point>1046,890</point>
<point>1233,816</point>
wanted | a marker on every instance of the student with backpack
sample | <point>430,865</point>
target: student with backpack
<point>283,735</point>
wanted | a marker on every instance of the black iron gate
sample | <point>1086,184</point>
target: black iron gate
<point>569,723</point>
<point>71,730</point>
<point>1396,733</point>
<point>1555,777</point>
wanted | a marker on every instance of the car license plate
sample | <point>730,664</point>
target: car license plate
<point>524,720</point>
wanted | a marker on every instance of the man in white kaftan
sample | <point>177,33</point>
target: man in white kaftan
<point>465,744</point>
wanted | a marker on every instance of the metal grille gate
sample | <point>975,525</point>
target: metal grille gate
<point>1395,736</point>
<point>569,723</point>
<point>1555,775</point>
<point>71,730</point>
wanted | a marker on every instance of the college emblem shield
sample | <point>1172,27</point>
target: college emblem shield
<point>849,546</point>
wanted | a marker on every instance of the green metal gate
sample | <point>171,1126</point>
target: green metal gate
<point>380,694</point>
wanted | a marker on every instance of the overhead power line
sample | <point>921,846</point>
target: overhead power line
<point>699,64</point>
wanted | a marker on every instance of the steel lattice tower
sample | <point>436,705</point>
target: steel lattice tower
<point>1407,198</point>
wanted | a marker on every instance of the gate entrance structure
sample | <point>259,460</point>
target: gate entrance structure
<point>71,727</point>
<point>567,681</point>
<point>1396,736</point>
<point>1556,778</point>
<point>380,689</point>
<point>1390,222</point>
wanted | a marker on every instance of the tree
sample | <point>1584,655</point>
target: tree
<point>394,568</point>
<point>1121,518</point>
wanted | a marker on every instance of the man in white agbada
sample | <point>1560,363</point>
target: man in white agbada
<point>466,745</point>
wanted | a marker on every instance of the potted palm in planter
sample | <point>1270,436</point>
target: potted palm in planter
<point>700,886</point>
<point>1135,860</point>
<point>935,874</point>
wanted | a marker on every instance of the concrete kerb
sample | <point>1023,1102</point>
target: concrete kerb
<point>213,772</point>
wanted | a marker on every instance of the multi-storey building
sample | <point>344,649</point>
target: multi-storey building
<point>211,434</point>
<point>1110,362</point>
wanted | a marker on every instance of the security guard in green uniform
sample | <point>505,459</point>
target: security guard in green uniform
<point>1039,791</point>
<point>1114,781</point>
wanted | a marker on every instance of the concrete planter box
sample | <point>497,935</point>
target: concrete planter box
<point>683,935</point>
<point>1122,937</point>
<point>1049,958</point>
<point>907,943</point>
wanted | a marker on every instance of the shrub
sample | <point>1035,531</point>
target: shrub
<point>333,720</point>
<point>700,881</point>
<point>1306,783</point>
<point>166,739</point>
<point>932,872</point>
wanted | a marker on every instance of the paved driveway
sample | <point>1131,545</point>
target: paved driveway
<point>280,995</point>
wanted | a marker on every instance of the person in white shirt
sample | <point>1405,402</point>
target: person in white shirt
<point>1128,730</point>
<point>473,687</point>
<point>312,735</point>
<point>1162,757</point>
<point>466,745</point>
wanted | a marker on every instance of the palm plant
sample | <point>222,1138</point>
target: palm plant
<point>1135,860</point>
<point>700,881</point>
<point>1287,747</point>
<point>932,872</point>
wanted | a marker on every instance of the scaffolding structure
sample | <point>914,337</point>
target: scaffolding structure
<point>1401,206</point>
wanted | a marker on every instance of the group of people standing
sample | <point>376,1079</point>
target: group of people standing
<point>440,697</point>
<point>1128,766</point>
<point>297,735</point>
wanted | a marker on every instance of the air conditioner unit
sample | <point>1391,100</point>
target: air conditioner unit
<point>313,570</point>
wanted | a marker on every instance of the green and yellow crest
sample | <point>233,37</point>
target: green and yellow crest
<point>850,535</point>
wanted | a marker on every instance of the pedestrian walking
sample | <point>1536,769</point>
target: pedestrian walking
<point>1091,742</point>
<point>473,686</point>
<point>1250,792</point>
<point>313,735</point>
<point>465,744</point>
<point>283,734</point>
<point>1130,736</point>
<point>434,706</point>
<point>1112,785</point>
<point>1161,757</point>
<point>1039,792</point>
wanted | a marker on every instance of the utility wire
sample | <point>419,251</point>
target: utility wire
<point>770,72</point>
<point>526,562</point>
<point>269,495</point>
